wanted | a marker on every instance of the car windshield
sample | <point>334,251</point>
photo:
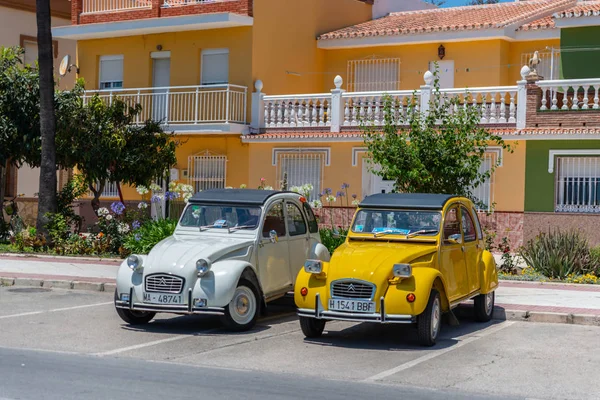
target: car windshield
<point>397,222</point>
<point>220,216</point>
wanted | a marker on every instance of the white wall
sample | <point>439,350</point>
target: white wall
<point>14,23</point>
<point>382,8</point>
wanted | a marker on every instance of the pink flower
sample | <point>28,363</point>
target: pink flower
<point>262,179</point>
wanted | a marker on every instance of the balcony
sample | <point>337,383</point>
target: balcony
<point>203,108</point>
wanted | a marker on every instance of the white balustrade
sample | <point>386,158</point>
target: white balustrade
<point>368,107</point>
<point>569,94</point>
<point>183,104</point>
<point>299,111</point>
<point>175,3</point>
<point>497,104</point>
<point>100,6</point>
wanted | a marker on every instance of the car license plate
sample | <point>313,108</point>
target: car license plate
<point>352,305</point>
<point>163,298</point>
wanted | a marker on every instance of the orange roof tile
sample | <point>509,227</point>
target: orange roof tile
<point>582,9</point>
<point>453,19</point>
<point>542,23</point>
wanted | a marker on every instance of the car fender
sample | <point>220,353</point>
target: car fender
<point>126,278</point>
<point>422,281</point>
<point>219,284</point>
<point>314,283</point>
<point>489,273</point>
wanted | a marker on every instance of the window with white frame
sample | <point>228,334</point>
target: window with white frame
<point>302,168</point>
<point>207,171</point>
<point>215,67</point>
<point>375,74</point>
<point>483,193</point>
<point>111,72</point>
<point>577,184</point>
<point>549,66</point>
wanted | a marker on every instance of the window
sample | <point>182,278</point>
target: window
<point>377,74</point>
<point>468,226</point>
<point>207,171</point>
<point>451,223</point>
<point>295,220</point>
<point>482,193</point>
<point>274,220</point>
<point>477,225</point>
<point>549,66</point>
<point>111,72</point>
<point>215,67</point>
<point>302,168</point>
<point>110,189</point>
<point>312,221</point>
<point>30,46</point>
<point>578,184</point>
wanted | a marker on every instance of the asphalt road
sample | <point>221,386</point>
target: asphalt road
<point>61,344</point>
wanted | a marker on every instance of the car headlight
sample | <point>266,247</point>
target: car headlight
<point>134,262</point>
<point>202,267</point>
<point>402,270</point>
<point>313,266</point>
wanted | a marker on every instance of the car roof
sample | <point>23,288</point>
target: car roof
<point>419,201</point>
<point>235,196</point>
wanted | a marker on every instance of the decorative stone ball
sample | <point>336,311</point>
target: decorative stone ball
<point>338,81</point>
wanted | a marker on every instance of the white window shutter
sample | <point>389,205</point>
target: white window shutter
<point>31,53</point>
<point>111,69</point>
<point>215,67</point>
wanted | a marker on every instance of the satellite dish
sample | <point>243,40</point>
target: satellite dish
<point>65,65</point>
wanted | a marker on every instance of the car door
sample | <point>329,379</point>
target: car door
<point>452,259</point>
<point>472,248</point>
<point>298,237</point>
<point>273,257</point>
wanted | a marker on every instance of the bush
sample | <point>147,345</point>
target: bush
<point>595,254</point>
<point>558,254</point>
<point>331,242</point>
<point>142,240</point>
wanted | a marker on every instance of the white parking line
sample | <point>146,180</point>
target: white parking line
<point>436,353</point>
<point>54,310</point>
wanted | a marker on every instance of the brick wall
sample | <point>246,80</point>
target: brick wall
<point>243,7</point>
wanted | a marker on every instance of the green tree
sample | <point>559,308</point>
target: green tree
<point>439,151</point>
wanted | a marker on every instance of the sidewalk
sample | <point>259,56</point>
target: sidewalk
<point>533,301</point>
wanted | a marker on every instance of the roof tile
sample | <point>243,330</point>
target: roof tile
<point>582,9</point>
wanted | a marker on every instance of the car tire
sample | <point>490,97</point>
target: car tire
<point>242,311</point>
<point>133,317</point>
<point>484,306</point>
<point>429,323</point>
<point>312,327</point>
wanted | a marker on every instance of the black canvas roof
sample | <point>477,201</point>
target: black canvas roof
<point>233,196</point>
<point>421,201</point>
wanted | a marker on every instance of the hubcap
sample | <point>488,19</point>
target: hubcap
<point>243,305</point>
<point>435,318</point>
<point>489,302</point>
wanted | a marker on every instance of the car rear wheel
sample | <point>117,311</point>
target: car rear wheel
<point>242,311</point>
<point>484,306</point>
<point>134,317</point>
<point>429,323</point>
<point>312,327</point>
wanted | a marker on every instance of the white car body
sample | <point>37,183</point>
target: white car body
<point>270,263</point>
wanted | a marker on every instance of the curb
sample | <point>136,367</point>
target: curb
<point>59,284</point>
<point>540,283</point>
<point>546,317</point>
<point>44,257</point>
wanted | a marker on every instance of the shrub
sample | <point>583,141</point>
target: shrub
<point>331,242</point>
<point>29,239</point>
<point>558,254</point>
<point>73,189</point>
<point>142,240</point>
<point>595,254</point>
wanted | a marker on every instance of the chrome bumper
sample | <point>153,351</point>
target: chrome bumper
<point>168,308</point>
<point>380,317</point>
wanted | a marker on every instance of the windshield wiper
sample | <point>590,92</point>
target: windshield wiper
<point>237,228</point>
<point>421,232</point>
<point>212,226</point>
<point>388,232</point>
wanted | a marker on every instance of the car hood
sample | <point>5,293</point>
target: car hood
<point>179,252</point>
<point>373,261</point>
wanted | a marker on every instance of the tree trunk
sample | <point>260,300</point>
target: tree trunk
<point>97,193</point>
<point>47,192</point>
<point>3,171</point>
<point>120,193</point>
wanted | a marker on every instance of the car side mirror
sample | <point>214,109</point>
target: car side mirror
<point>335,234</point>
<point>454,239</point>
<point>273,236</point>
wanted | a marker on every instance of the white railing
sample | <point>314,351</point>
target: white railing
<point>369,106</point>
<point>309,110</point>
<point>175,3</point>
<point>497,104</point>
<point>549,66</point>
<point>177,105</point>
<point>101,6</point>
<point>570,94</point>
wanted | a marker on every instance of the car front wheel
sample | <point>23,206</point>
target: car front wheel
<point>134,317</point>
<point>429,322</point>
<point>242,311</point>
<point>311,327</point>
<point>484,306</point>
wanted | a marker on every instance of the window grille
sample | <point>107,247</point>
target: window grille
<point>578,184</point>
<point>377,74</point>
<point>483,194</point>
<point>302,168</point>
<point>207,171</point>
<point>110,189</point>
<point>549,66</point>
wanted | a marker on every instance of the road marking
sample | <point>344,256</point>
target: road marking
<point>436,353</point>
<point>54,310</point>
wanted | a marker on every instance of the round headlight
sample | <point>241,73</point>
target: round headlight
<point>202,266</point>
<point>133,262</point>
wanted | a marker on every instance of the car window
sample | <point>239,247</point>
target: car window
<point>274,220</point>
<point>295,220</point>
<point>451,223</point>
<point>468,226</point>
<point>313,227</point>
<point>401,222</point>
<point>477,224</point>
<point>220,216</point>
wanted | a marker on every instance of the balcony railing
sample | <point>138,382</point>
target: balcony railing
<point>175,3</point>
<point>101,6</point>
<point>183,105</point>
<point>570,94</point>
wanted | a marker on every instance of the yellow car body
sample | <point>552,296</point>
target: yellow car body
<point>451,262</point>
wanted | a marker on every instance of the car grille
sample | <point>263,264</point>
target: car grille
<point>164,283</point>
<point>352,290</point>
